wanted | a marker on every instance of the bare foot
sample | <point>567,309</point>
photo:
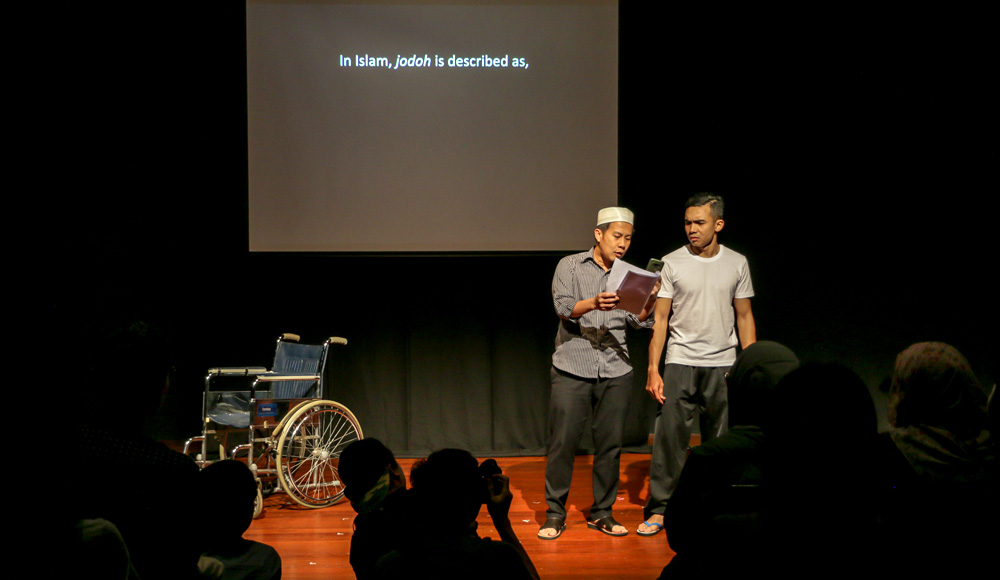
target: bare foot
<point>651,529</point>
<point>547,532</point>
<point>608,525</point>
<point>551,529</point>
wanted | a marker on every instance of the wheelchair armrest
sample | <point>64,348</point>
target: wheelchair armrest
<point>231,378</point>
<point>236,371</point>
<point>277,377</point>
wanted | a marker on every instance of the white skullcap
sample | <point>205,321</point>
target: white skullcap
<point>615,214</point>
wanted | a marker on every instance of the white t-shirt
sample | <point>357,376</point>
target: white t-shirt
<point>702,320</point>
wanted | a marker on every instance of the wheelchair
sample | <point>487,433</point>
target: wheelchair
<point>289,435</point>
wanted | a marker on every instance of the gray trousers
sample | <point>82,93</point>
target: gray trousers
<point>572,401</point>
<point>688,391</point>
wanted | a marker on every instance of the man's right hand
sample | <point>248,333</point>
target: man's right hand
<point>654,385</point>
<point>606,301</point>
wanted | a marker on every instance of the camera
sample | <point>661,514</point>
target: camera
<point>487,469</point>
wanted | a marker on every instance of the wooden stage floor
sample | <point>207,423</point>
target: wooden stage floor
<point>315,544</point>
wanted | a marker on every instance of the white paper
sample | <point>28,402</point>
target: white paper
<point>632,284</point>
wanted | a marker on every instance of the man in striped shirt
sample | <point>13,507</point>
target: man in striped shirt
<point>591,373</point>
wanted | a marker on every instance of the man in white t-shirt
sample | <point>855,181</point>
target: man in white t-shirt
<point>702,313</point>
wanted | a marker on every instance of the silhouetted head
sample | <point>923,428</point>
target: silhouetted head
<point>823,421</point>
<point>751,381</point>
<point>820,478</point>
<point>230,490</point>
<point>449,485</point>
<point>128,370</point>
<point>370,472</point>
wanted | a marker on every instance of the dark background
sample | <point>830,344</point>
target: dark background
<point>856,150</point>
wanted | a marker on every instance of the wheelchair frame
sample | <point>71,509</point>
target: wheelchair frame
<point>300,446</point>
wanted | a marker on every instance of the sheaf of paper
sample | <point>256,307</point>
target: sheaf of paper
<point>632,284</point>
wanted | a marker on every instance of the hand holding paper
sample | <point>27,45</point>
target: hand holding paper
<point>607,301</point>
<point>633,285</point>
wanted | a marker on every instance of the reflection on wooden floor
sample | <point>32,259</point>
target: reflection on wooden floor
<point>314,544</point>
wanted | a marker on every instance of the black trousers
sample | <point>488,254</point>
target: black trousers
<point>573,400</point>
<point>689,392</point>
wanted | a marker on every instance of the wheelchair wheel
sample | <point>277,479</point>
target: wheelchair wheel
<point>309,447</point>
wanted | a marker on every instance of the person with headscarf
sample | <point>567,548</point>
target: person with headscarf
<point>940,462</point>
<point>937,413</point>
<point>718,491</point>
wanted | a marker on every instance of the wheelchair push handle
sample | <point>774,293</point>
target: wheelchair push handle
<point>290,337</point>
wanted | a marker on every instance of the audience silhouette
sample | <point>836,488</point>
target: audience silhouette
<point>449,489</point>
<point>801,485</point>
<point>376,487</point>
<point>229,492</point>
<point>820,478</point>
<point>940,465</point>
<point>130,485</point>
<point>718,497</point>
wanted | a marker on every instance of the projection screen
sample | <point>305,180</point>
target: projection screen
<point>430,126</point>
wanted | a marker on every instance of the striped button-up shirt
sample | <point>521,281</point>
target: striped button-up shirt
<point>593,345</point>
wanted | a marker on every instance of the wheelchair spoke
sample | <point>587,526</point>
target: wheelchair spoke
<point>310,447</point>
